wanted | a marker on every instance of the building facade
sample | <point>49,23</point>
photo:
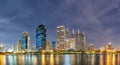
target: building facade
<point>48,46</point>
<point>67,40</point>
<point>72,40</point>
<point>91,47</point>
<point>41,37</point>
<point>61,36</point>
<point>53,44</point>
<point>19,46</point>
<point>78,40</point>
<point>25,41</point>
<point>83,42</point>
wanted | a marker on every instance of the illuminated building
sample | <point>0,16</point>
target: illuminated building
<point>48,46</point>
<point>67,41</point>
<point>41,37</point>
<point>78,40</point>
<point>72,40</point>
<point>25,41</point>
<point>61,35</point>
<point>53,44</point>
<point>109,46</point>
<point>91,47</point>
<point>83,42</point>
<point>1,48</point>
<point>19,45</point>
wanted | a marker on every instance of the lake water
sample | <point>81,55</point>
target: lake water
<point>66,59</point>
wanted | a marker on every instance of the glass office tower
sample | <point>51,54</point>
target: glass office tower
<point>41,37</point>
<point>25,41</point>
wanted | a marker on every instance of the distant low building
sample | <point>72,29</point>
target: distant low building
<point>1,48</point>
<point>91,47</point>
<point>109,46</point>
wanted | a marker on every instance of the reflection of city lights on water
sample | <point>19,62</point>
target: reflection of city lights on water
<point>1,60</point>
<point>19,59</point>
<point>113,59</point>
<point>43,60</point>
<point>51,59</point>
<point>35,60</point>
<point>57,59</point>
<point>67,60</point>
<point>101,60</point>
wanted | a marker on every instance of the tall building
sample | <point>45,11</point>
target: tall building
<point>72,40</point>
<point>61,36</point>
<point>83,42</point>
<point>78,41</point>
<point>1,48</point>
<point>25,41</point>
<point>41,37</point>
<point>48,46</point>
<point>67,40</point>
<point>53,44</point>
<point>19,46</point>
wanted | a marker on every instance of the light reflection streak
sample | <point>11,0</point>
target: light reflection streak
<point>93,59</point>
<point>57,59</point>
<point>51,59</point>
<point>118,59</point>
<point>35,60</point>
<point>43,60</point>
<point>113,59</point>
<point>108,59</point>
<point>67,60</point>
<point>101,60</point>
<point>1,60</point>
<point>19,60</point>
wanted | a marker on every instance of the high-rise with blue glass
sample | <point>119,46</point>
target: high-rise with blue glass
<point>53,45</point>
<point>25,41</point>
<point>41,37</point>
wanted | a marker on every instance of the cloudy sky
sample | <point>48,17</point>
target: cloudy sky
<point>99,19</point>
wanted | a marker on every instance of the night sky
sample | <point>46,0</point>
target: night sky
<point>99,19</point>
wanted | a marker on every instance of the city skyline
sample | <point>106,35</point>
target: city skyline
<point>100,23</point>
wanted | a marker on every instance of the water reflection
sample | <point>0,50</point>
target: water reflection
<point>1,60</point>
<point>43,60</point>
<point>67,59</point>
<point>51,59</point>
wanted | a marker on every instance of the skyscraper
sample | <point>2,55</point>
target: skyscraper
<point>53,44</point>
<point>83,42</point>
<point>72,40</point>
<point>25,41</point>
<point>41,37</point>
<point>19,46</point>
<point>78,41</point>
<point>48,46</point>
<point>61,35</point>
<point>67,40</point>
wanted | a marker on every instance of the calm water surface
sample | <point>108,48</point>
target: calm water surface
<point>67,59</point>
